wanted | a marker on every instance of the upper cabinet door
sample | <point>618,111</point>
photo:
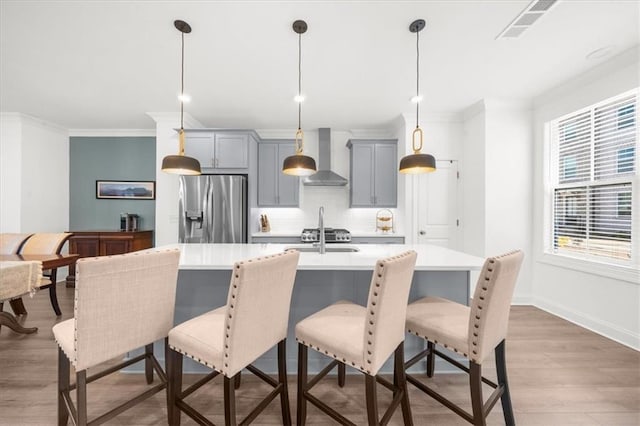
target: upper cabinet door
<point>386,175</point>
<point>231,151</point>
<point>267,174</point>
<point>275,189</point>
<point>288,186</point>
<point>200,146</point>
<point>362,175</point>
<point>374,172</point>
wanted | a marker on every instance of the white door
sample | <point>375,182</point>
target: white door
<point>437,205</point>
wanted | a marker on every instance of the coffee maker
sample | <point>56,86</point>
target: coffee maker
<point>129,222</point>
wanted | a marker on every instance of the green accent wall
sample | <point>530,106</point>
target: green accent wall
<point>109,158</point>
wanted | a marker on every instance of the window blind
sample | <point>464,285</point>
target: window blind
<point>595,150</point>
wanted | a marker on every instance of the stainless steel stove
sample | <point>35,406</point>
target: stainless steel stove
<point>331,235</point>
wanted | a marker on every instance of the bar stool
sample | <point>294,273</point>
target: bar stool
<point>472,332</point>
<point>47,243</point>
<point>230,338</point>
<point>106,325</point>
<point>362,338</point>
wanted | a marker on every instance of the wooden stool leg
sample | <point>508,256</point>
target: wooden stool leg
<point>475,383</point>
<point>431,359</point>
<point>501,369</point>
<point>174,387</point>
<point>81,397</point>
<point>372,399</point>
<point>238,380</point>
<point>282,378</point>
<point>341,374</point>
<point>400,382</point>
<point>301,415</point>
<point>148,366</point>
<point>229,401</point>
<point>63,387</point>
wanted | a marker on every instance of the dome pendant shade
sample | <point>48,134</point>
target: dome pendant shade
<point>417,163</point>
<point>180,164</point>
<point>299,165</point>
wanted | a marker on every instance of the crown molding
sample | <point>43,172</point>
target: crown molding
<point>173,118</point>
<point>18,117</point>
<point>118,133</point>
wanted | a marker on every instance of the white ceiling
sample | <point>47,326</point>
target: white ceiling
<point>105,64</point>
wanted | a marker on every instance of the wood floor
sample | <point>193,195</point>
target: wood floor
<point>560,374</point>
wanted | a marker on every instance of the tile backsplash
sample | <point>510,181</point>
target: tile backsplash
<point>337,213</point>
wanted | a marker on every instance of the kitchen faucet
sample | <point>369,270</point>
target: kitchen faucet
<point>322,246</point>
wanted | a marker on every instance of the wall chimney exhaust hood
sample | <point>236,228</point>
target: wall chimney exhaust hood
<point>324,176</point>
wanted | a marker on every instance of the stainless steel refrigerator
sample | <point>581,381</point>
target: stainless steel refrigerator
<point>213,209</point>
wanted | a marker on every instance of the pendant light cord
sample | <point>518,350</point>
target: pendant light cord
<point>417,77</point>
<point>182,87</point>
<point>299,79</point>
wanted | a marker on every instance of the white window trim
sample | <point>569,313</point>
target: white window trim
<point>630,271</point>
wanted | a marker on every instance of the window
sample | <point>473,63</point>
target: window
<point>625,159</point>
<point>594,168</point>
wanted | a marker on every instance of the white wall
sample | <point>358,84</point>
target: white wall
<point>508,191</point>
<point>473,180</point>
<point>35,175</point>
<point>607,305</point>
<point>496,175</point>
<point>10,182</point>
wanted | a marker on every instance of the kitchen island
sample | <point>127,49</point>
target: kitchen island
<point>205,273</point>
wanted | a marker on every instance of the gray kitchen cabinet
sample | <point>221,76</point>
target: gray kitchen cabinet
<point>218,150</point>
<point>373,172</point>
<point>386,239</point>
<point>269,239</point>
<point>275,189</point>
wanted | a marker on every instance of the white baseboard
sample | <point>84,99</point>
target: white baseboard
<point>522,300</point>
<point>604,328</point>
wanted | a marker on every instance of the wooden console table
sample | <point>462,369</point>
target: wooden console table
<point>105,243</point>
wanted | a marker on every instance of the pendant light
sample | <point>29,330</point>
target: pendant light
<point>417,162</point>
<point>299,164</point>
<point>181,164</point>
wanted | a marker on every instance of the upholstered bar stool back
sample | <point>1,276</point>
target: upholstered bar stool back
<point>11,243</point>
<point>47,243</point>
<point>474,332</point>
<point>230,338</point>
<point>362,338</point>
<point>122,303</point>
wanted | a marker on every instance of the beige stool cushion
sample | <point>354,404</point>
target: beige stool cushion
<point>336,331</point>
<point>201,338</point>
<point>440,321</point>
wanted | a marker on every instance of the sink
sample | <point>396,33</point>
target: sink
<point>329,249</point>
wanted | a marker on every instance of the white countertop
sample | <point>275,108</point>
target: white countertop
<point>223,256</point>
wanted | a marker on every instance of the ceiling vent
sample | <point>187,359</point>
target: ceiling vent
<point>526,18</point>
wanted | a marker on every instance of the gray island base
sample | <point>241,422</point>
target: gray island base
<point>205,273</point>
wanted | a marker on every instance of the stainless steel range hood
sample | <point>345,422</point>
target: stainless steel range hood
<point>324,176</point>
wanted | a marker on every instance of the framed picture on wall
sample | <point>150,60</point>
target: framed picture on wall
<point>129,190</point>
